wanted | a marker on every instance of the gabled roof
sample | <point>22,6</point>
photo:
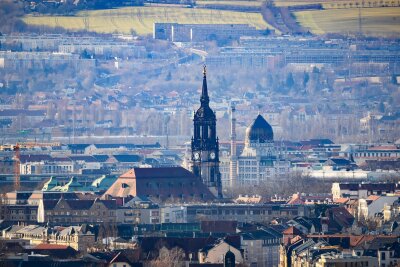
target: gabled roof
<point>83,158</point>
<point>342,216</point>
<point>339,161</point>
<point>127,158</point>
<point>75,204</point>
<point>110,204</point>
<point>257,235</point>
<point>35,158</point>
<point>78,146</point>
<point>306,245</point>
<point>373,197</point>
<point>44,246</point>
<point>80,204</point>
<point>217,243</point>
<point>101,158</point>
<point>110,257</point>
<point>292,231</point>
<point>166,173</point>
<point>161,183</point>
<point>376,243</point>
<point>295,201</point>
<point>278,228</point>
<point>49,204</point>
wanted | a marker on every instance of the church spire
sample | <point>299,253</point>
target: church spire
<point>205,100</point>
<point>205,146</point>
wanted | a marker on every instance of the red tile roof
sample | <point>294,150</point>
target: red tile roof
<point>388,147</point>
<point>296,201</point>
<point>373,197</point>
<point>292,231</point>
<point>161,183</point>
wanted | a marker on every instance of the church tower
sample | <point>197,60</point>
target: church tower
<point>205,148</point>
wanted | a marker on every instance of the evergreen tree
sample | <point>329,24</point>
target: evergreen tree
<point>306,78</point>
<point>381,107</point>
<point>169,76</point>
<point>289,80</point>
<point>394,79</point>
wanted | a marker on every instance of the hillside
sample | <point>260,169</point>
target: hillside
<point>141,19</point>
<point>379,21</point>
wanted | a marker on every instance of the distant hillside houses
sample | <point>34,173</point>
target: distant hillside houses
<point>84,45</point>
<point>100,159</point>
<point>86,164</point>
<point>222,33</point>
<point>273,51</point>
<point>40,60</point>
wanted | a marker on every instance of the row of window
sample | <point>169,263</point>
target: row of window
<point>374,154</point>
<point>241,212</point>
<point>177,196</point>
<point>82,213</point>
<point>83,220</point>
<point>22,218</point>
<point>20,212</point>
<point>247,162</point>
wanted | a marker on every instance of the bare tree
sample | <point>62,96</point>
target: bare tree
<point>174,257</point>
<point>292,183</point>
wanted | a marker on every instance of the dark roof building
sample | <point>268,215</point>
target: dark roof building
<point>127,158</point>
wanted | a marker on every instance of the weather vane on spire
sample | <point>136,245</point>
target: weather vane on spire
<point>204,70</point>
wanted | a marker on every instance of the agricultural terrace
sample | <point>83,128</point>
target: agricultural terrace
<point>141,19</point>
<point>328,4</point>
<point>380,21</point>
<point>230,3</point>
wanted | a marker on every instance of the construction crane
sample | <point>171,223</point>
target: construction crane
<point>17,159</point>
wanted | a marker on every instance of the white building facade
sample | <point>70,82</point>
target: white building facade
<point>260,162</point>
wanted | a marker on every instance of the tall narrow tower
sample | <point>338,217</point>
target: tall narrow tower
<point>233,161</point>
<point>205,147</point>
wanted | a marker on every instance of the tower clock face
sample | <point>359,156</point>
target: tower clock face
<point>212,155</point>
<point>196,155</point>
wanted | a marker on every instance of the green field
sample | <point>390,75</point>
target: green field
<point>141,19</point>
<point>382,21</point>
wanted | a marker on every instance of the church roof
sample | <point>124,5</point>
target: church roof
<point>260,131</point>
<point>160,184</point>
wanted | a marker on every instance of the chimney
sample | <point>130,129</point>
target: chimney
<point>233,161</point>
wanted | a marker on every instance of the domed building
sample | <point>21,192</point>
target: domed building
<point>260,131</point>
<point>259,161</point>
